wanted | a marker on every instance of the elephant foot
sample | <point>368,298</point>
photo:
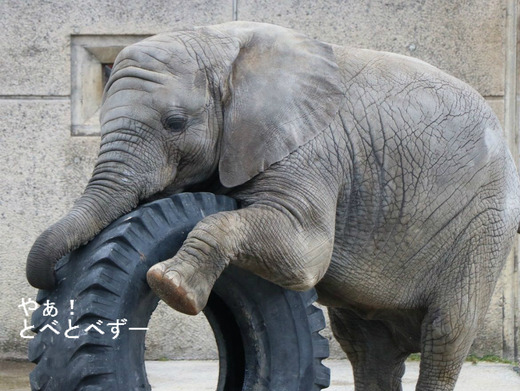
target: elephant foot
<point>180,286</point>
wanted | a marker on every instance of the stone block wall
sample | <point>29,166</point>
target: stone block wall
<point>45,163</point>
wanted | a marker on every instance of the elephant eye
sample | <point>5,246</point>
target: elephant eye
<point>175,124</point>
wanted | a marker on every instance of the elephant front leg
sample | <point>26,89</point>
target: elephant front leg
<point>267,240</point>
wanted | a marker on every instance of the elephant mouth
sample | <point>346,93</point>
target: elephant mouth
<point>210,185</point>
<point>167,192</point>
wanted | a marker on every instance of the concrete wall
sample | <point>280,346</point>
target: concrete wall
<point>44,166</point>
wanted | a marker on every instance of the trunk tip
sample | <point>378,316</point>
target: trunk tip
<point>40,264</point>
<point>40,277</point>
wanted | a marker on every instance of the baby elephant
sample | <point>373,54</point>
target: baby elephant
<point>375,177</point>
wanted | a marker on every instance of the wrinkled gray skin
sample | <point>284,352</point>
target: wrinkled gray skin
<point>375,177</point>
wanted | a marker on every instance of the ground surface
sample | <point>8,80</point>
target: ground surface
<point>202,376</point>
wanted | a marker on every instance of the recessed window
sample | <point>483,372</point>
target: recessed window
<point>91,63</point>
<point>106,70</point>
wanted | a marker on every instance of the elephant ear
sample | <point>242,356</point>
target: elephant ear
<point>283,90</point>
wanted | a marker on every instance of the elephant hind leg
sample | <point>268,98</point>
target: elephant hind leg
<point>447,335</point>
<point>443,353</point>
<point>377,358</point>
<point>459,305</point>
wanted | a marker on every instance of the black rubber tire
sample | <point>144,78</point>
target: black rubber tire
<point>268,337</point>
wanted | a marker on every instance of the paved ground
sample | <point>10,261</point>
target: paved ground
<point>202,376</point>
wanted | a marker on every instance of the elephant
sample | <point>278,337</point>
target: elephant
<point>376,178</point>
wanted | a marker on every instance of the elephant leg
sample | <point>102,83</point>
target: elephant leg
<point>293,253</point>
<point>377,360</point>
<point>459,305</point>
<point>447,335</point>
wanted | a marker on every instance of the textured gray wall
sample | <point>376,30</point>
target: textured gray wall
<point>44,167</point>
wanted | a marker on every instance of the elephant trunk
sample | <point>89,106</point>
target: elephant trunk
<point>107,196</point>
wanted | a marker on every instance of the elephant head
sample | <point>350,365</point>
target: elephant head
<point>183,107</point>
